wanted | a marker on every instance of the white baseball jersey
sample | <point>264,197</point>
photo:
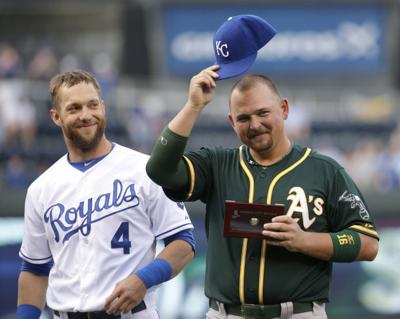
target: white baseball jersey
<point>99,226</point>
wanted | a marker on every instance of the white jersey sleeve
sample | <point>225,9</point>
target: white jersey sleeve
<point>35,247</point>
<point>167,217</point>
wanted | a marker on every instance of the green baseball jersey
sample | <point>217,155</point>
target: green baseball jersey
<point>315,190</point>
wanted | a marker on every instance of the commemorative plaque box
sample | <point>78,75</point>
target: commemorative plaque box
<point>246,220</point>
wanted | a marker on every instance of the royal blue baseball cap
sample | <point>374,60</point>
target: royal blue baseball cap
<point>237,42</point>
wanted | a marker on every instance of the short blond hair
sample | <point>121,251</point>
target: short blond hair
<point>70,79</point>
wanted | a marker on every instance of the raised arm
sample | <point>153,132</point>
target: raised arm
<point>201,92</point>
<point>166,166</point>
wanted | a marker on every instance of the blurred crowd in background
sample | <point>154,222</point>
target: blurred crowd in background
<point>29,141</point>
<point>27,147</point>
<point>24,105</point>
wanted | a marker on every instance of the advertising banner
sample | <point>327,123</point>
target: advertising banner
<point>325,39</point>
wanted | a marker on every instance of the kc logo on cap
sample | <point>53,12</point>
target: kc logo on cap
<point>237,42</point>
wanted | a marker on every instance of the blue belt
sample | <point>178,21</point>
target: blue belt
<point>99,314</point>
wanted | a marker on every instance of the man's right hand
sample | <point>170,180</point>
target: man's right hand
<point>201,91</point>
<point>202,88</point>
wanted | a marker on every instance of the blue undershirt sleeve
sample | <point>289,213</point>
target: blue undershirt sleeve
<point>37,269</point>
<point>186,235</point>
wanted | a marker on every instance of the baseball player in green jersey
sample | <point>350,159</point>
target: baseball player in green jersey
<point>326,221</point>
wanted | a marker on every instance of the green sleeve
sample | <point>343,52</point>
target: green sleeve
<point>348,207</point>
<point>166,166</point>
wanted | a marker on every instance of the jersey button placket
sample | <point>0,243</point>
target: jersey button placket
<point>86,273</point>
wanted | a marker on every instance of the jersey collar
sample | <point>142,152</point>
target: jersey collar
<point>85,165</point>
<point>251,161</point>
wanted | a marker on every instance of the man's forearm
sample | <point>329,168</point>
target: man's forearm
<point>183,123</point>
<point>32,289</point>
<point>178,253</point>
<point>319,245</point>
<point>166,166</point>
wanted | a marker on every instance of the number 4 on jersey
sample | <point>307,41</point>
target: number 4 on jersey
<point>121,238</point>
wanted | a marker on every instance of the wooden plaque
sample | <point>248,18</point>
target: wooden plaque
<point>246,220</point>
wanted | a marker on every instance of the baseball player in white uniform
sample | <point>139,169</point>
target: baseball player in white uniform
<point>92,221</point>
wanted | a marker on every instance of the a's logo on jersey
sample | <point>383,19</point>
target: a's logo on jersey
<point>62,219</point>
<point>355,201</point>
<point>299,204</point>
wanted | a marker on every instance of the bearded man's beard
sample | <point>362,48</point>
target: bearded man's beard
<point>83,143</point>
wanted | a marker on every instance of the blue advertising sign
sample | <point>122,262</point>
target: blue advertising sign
<point>326,39</point>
